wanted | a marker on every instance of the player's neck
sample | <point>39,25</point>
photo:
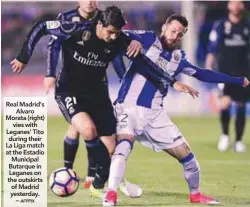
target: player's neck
<point>86,15</point>
<point>235,18</point>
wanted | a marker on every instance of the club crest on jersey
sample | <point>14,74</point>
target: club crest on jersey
<point>86,35</point>
<point>52,24</point>
<point>75,19</point>
<point>228,27</point>
<point>177,57</point>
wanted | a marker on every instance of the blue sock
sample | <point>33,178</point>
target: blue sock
<point>70,149</point>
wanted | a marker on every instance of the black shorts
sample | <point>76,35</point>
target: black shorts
<point>101,114</point>
<point>237,92</point>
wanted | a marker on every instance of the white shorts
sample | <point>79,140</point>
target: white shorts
<point>151,127</point>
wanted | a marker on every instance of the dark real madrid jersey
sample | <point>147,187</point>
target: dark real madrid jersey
<point>84,61</point>
<point>54,46</point>
<point>231,44</point>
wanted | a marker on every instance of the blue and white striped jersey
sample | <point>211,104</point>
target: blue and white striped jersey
<point>141,87</point>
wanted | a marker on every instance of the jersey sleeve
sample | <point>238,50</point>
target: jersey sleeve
<point>157,73</point>
<point>62,30</point>
<point>215,37</point>
<point>54,48</point>
<point>119,66</point>
<point>207,75</point>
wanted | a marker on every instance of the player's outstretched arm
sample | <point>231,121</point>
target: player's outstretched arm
<point>60,29</point>
<point>53,49</point>
<point>207,75</point>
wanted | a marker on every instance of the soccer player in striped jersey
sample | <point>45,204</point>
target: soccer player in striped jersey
<point>140,113</point>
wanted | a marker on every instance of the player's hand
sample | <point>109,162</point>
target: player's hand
<point>246,82</point>
<point>17,66</point>
<point>186,89</point>
<point>49,83</point>
<point>134,48</point>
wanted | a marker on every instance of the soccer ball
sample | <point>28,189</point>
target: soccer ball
<point>64,182</point>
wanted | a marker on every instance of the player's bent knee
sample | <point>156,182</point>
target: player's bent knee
<point>179,152</point>
<point>123,148</point>
<point>83,123</point>
<point>89,132</point>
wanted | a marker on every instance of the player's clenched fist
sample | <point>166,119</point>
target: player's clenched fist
<point>17,66</point>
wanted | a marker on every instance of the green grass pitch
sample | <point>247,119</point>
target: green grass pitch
<point>225,176</point>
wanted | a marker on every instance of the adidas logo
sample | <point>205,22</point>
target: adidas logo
<point>80,43</point>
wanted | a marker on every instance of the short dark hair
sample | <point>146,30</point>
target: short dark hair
<point>112,16</point>
<point>178,18</point>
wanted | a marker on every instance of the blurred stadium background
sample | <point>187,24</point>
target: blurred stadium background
<point>18,17</point>
<point>224,175</point>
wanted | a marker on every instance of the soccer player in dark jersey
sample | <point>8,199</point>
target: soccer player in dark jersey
<point>81,93</point>
<point>230,44</point>
<point>87,11</point>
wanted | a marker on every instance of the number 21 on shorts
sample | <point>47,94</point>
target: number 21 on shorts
<point>70,101</point>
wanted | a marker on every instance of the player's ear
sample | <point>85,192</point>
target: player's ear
<point>163,27</point>
<point>99,24</point>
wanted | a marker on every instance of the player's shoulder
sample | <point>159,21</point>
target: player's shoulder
<point>220,22</point>
<point>69,15</point>
<point>148,37</point>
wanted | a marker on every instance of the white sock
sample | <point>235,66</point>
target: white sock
<point>118,164</point>
<point>192,174</point>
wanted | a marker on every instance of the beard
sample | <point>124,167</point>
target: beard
<point>170,45</point>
